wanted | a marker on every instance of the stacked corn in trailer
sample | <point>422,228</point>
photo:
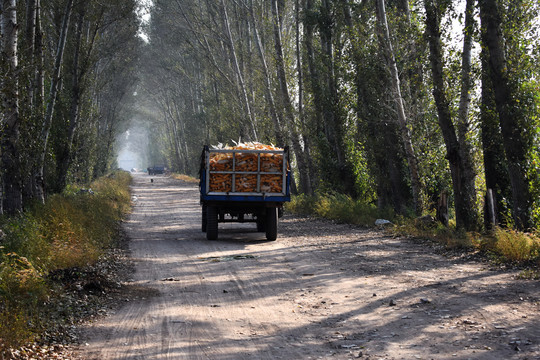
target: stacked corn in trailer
<point>247,162</point>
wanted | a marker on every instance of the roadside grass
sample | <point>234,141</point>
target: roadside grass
<point>70,231</point>
<point>185,178</point>
<point>515,246</point>
<point>337,207</point>
<point>502,246</point>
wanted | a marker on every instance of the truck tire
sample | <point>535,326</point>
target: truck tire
<point>204,218</point>
<point>211,223</point>
<point>271,224</point>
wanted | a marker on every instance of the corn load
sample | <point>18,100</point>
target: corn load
<point>254,171</point>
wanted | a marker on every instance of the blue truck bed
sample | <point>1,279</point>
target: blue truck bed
<point>239,200</point>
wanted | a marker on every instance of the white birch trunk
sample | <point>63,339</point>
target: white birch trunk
<point>400,108</point>
<point>239,75</point>
<point>47,120</point>
<point>10,121</point>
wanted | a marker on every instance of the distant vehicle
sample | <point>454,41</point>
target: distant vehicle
<point>156,169</point>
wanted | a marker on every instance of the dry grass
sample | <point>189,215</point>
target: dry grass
<point>505,245</point>
<point>516,246</point>
<point>71,230</point>
<point>185,178</point>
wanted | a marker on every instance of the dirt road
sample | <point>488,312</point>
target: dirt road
<point>321,291</point>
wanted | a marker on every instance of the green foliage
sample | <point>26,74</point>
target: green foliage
<point>338,207</point>
<point>301,204</point>
<point>345,114</point>
<point>449,237</point>
<point>534,155</point>
<point>529,274</point>
<point>23,235</point>
<point>22,284</point>
<point>71,230</point>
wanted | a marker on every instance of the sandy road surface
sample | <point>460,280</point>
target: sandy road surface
<point>321,291</point>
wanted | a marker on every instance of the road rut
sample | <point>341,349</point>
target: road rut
<point>321,291</point>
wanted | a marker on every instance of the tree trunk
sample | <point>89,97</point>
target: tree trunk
<point>39,83</point>
<point>173,136</point>
<point>495,167</point>
<point>182,135</point>
<point>183,138</point>
<point>83,47</point>
<point>47,121</point>
<point>412,161</point>
<point>341,175</point>
<point>377,135</point>
<point>465,210</point>
<point>33,52</point>
<point>276,119</point>
<point>301,116</point>
<point>465,147</point>
<point>328,87</point>
<point>286,102</point>
<point>403,6</point>
<point>29,44</point>
<point>239,75</point>
<point>76,92</point>
<point>11,169</point>
<point>511,118</point>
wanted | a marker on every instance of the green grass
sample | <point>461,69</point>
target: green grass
<point>71,230</point>
<point>505,245</point>
<point>337,207</point>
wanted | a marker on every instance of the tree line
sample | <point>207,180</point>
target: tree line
<point>67,77</point>
<point>399,103</point>
<point>403,104</point>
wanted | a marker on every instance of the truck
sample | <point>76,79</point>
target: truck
<point>156,169</point>
<point>244,184</point>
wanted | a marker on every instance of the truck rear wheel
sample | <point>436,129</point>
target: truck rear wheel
<point>211,223</point>
<point>271,223</point>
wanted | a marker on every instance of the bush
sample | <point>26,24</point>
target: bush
<point>301,204</point>
<point>516,246</point>
<point>71,230</point>
<point>337,207</point>
<point>22,291</point>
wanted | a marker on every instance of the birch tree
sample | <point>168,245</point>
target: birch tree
<point>276,117</point>
<point>10,160</point>
<point>494,160</point>
<point>51,102</point>
<point>511,117</point>
<point>239,74</point>
<point>463,186</point>
<point>412,161</point>
<point>305,181</point>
